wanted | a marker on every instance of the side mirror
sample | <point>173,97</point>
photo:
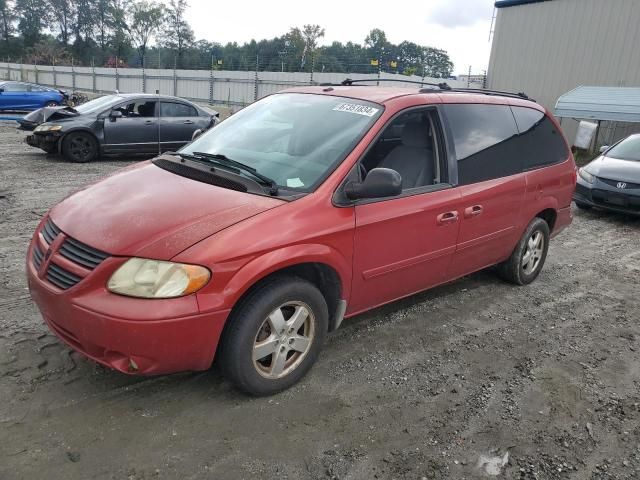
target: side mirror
<point>115,114</point>
<point>379,182</point>
<point>604,148</point>
<point>1,89</point>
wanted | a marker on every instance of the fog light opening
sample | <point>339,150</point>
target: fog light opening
<point>133,366</point>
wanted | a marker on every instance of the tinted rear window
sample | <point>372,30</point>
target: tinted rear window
<point>539,143</point>
<point>481,135</point>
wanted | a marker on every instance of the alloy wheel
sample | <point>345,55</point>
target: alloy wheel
<point>283,340</point>
<point>80,148</point>
<point>533,252</point>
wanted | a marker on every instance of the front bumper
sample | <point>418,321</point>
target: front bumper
<point>135,336</point>
<point>603,194</point>
<point>44,141</point>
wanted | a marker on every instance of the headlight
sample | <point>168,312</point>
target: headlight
<point>48,128</point>
<point>586,176</point>
<point>143,278</point>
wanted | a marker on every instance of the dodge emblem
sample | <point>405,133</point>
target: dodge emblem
<point>621,185</point>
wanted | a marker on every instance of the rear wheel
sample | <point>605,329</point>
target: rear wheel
<point>526,261</point>
<point>80,147</point>
<point>275,336</point>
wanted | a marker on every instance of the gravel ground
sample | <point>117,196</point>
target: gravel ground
<point>473,379</point>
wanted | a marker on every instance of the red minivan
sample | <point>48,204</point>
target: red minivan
<point>307,207</point>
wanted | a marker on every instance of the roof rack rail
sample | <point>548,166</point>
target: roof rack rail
<point>349,82</point>
<point>483,91</point>
<point>441,87</point>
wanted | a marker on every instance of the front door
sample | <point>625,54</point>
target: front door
<point>136,131</point>
<point>405,245</point>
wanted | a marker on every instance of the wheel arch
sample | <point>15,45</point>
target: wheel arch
<point>549,215</point>
<point>320,265</point>
<point>79,130</point>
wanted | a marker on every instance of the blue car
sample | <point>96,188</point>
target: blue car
<point>28,96</point>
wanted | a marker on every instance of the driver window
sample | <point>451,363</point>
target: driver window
<point>408,145</point>
<point>138,109</point>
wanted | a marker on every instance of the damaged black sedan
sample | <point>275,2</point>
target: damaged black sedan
<point>117,124</point>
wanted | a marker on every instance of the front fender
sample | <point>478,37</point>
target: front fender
<point>262,266</point>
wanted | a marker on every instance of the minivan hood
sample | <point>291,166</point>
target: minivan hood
<point>149,212</point>
<point>615,169</point>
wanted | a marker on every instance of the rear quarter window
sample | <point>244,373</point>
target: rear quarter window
<point>539,142</point>
<point>482,136</point>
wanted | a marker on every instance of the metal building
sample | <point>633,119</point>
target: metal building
<point>546,48</point>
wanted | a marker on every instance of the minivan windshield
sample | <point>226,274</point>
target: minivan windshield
<point>296,139</point>
<point>628,149</point>
<point>100,103</point>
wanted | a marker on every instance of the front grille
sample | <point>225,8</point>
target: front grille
<point>71,249</point>
<point>614,183</point>
<point>81,254</point>
<point>616,200</point>
<point>50,231</point>
<point>38,256</point>
<point>60,277</point>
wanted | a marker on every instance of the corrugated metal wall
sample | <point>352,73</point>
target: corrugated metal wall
<point>546,49</point>
<point>218,87</point>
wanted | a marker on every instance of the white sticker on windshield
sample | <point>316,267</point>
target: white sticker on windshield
<point>355,108</point>
<point>294,182</point>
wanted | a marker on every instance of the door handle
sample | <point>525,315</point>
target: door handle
<point>473,211</point>
<point>148,122</point>
<point>447,217</point>
<point>188,122</point>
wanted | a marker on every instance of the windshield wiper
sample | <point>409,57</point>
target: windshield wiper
<point>225,161</point>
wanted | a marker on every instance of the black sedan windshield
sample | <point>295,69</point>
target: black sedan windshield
<point>295,139</point>
<point>98,104</point>
<point>628,149</point>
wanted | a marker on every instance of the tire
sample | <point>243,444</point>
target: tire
<point>583,206</point>
<point>519,268</point>
<point>80,147</point>
<point>288,354</point>
<point>51,104</point>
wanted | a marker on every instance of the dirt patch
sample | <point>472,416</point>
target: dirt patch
<point>445,384</point>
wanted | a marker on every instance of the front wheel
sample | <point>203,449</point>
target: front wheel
<point>275,336</point>
<point>526,261</point>
<point>80,147</point>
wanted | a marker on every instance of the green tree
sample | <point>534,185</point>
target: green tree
<point>376,40</point>
<point>145,18</point>
<point>120,38</point>
<point>306,38</point>
<point>33,16</point>
<point>7,18</point>
<point>436,63</point>
<point>84,26</point>
<point>63,18</point>
<point>177,34</point>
